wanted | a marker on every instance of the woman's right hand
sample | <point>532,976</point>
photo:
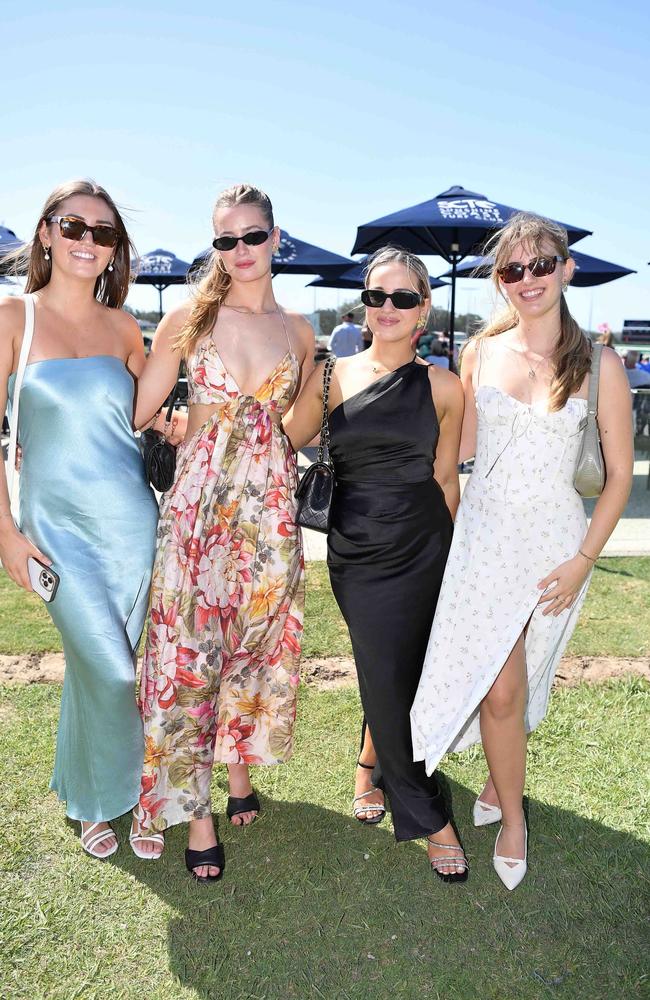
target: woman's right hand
<point>15,550</point>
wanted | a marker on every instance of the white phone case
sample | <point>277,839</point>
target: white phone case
<point>43,579</point>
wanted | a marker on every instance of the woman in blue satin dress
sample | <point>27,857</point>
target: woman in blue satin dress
<point>85,505</point>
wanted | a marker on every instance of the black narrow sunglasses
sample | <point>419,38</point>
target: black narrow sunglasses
<point>539,267</point>
<point>254,239</point>
<point>401,299</point>
<point>75,229</point>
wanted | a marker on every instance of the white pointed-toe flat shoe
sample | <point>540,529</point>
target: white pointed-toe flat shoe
<point>484,814</point>
<point>511,870</point>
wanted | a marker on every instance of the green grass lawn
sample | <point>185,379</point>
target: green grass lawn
<point>313,905</point>
<point>614,619</point>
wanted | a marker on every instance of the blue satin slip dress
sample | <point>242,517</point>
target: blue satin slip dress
<point>85,501</point>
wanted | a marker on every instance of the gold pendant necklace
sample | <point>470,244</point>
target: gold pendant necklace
<point>376,368</point>
<point>532,371</point>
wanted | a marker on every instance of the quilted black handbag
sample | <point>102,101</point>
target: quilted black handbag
<point>315,489</point>
<point>159,455</point>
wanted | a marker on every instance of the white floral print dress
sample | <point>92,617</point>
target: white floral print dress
<point>518,519</point>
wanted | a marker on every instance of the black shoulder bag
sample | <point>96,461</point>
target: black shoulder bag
<point>315,489</point>
<point>159,455</point>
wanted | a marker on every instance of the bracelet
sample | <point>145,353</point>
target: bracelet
<point>590,558</point>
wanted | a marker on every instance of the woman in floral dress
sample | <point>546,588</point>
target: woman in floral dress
<point>220,669</point>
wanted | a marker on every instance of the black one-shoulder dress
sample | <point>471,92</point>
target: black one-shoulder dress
<point>387,547</point>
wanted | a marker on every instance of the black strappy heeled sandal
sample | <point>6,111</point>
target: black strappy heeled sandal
<point>235,806</point>
<point>361,812</point>
<point>456,860</point>
<point>211,856</point>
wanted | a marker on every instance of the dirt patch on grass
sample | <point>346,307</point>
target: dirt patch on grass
<point>334,671</point>
<point>337,671</point>
<point>36,668</point>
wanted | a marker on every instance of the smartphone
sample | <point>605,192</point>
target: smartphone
<point>43,579</point>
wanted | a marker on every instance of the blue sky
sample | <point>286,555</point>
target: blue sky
<point>342,112</point>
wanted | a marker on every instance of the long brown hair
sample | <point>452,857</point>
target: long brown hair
<point>212,282</point>
<point>572,355</point>
<point>111,287</point>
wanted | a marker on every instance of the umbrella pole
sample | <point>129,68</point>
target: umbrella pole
<point>452,311</point>
<point>160,301</point>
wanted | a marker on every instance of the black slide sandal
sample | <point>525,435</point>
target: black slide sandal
<point>235,806</point>
<point>211,856</point>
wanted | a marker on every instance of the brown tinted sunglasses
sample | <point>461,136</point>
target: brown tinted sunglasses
<point>539,267</point>
<point>72,228</point>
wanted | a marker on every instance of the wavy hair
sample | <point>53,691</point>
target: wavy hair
<point>111,287</point>
<point>572,354</point>
<point>212,282</point>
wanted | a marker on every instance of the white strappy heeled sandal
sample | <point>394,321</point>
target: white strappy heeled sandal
<point>152,838</point>
<point>90,840</point>
<point>511,871</point>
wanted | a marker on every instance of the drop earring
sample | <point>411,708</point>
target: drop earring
<point>46,252</point>
<point>110,266</point>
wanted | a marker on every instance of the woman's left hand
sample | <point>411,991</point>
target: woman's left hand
<point>178,428</point>
<point>565,583</point>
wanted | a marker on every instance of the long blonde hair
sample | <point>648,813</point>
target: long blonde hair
<point>572,355</point>
<point>111,287</point>
<point>212,282</point>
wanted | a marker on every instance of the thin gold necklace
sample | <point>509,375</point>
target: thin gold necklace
<point>378,366</point>
<point>251,312</point>
<point>532,371</point>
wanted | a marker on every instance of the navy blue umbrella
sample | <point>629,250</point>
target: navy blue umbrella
<point>452,225</point>
<point>589,270</point>
<point>294,256</point>
<point>353,278</point>
<point>8,243</point>
<point>160,268</point>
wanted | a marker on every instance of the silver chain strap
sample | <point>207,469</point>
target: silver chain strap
<point>324,426</point>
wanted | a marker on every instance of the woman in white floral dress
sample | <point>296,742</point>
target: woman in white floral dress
<point>220,670</point>
<point>522,556</point>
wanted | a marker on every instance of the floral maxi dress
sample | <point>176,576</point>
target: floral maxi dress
<point>220,669</point>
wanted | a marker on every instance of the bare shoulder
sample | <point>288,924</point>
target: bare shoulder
<point>446,388</point>
<point>611,364</point>
<point>12,316</point>
<point>300,327</point>
<point>176,318</point>
<point>124,322</point>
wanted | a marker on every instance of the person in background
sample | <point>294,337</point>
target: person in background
<point>606,339</point>
<point>346,338</point>
<point>439,355</point>
<point>636,376</point>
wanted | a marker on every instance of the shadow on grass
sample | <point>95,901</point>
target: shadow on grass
<point>601,568</point>
<point>312,904</point>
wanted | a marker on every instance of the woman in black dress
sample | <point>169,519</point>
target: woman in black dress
<point>394,425</point>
